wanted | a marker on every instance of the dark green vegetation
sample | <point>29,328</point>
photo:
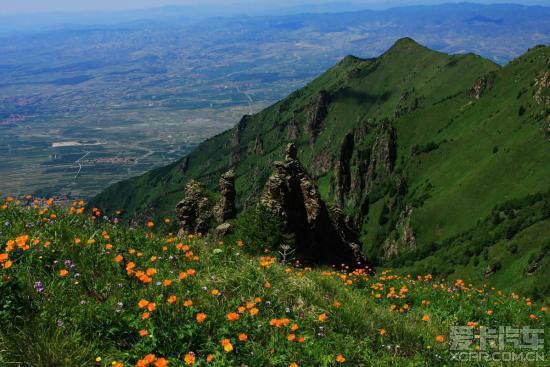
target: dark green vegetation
<point>148,91</point>
<point>77,291</point>
<point>441,162</point>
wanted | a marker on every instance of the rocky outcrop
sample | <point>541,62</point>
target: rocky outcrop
<point>194,212</point>
<point>536,263</point>
<point>291,195</point>
<point>406,238</point>
<point>225,209</point>
<point>542,85</point>
<point>481,86</point>
<point>317,113</point>
<point>342,174</point>
<point>292,130</point>
<point>408,102</point>
<point>382,157</point>
<point>258,148</point>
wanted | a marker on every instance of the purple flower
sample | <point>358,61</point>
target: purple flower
<point>39,287</point>
<point>68,262</point>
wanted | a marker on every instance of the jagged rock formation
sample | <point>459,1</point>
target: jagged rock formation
<point>318,112</point>
<point>194,212</point>
<point>482,85</point>
<point>342,174</point>
<point>225,209</point>
<point>406,238</point>
<point>382,157</point>
<point>291,195</point>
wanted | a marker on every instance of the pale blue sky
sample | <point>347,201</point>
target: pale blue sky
<point>31,6</point>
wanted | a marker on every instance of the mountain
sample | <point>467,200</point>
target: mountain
<point>440,162</point>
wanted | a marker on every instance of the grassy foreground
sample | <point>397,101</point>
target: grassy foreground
<point>80,290</point>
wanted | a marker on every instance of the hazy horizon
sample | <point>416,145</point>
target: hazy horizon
<point>25,7</point>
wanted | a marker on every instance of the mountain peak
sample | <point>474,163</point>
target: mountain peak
<point>406,43</point>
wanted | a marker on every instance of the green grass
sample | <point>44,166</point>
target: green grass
<point>93,311</point>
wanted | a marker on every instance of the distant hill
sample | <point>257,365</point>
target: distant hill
<point>440,161</point>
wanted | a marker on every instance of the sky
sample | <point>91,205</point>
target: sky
<point>8,7</point>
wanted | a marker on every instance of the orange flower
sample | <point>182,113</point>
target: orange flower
<point>323,317</point>
<point>188,303</point>
<point>161,362</point>
<point>143,332</point>
<point>3,257</point>
<point>151,271</point>
<point>440,338</point>
<point>145,315</point>
<point>166,282</point>
<point>340,358</point>
<point>8,264</point>
<point>337,304</point>
<point>532,316</point>
<point>143,303</point>
<point>118,258</point>
<point>189,359</point>
<point>426,318</point>
<point>209,358</point>
<point>182,275</point>
<point>293,364</point>
<point>291,337</point>
<point>243,337</point>
<point>191,272</point>
<point>215,292</point>
<point>201,317</point>
<point>63,273</point>
<point>150,224</point>
<point>294,327</point>
<point>227,346</point>
<point>382,331</point>
<point>232,316</point>
<point>489,312</point>
<point>172,299</point>
<point>152,307</point>
<point>254,311</point>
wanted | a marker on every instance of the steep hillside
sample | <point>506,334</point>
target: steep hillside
<point>421,150</point>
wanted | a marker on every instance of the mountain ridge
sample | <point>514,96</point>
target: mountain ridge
<point>416,124</point>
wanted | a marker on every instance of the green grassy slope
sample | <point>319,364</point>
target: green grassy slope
<point>74,292</point>
<point>460,157</point>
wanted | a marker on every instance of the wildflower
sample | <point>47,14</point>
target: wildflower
<point>161,362</point>
<point>489,312</point>
<point>201,317</point>
<point>145,315</point>
<point>426,318</point>
<point>8,264</point>
<point>209,358</point>
<point>232,316</point>
<point>293,364</point>
<point>294,327</point>
<point>63,273</point>
<point>143,332</point>
<point>166,282</point>
<point>150,224</point>
<point>172,299</point>
<point>382,332</point>
<point>189,359</point>
<point>151,307</point>
<point>243,337</point>
<point>337,304</point>
<point>291,337</point>
<point>143,303</point>
<point>118,258</point>
<point>182,275</point>
<point>227,346</point>
<point>532,316</point>
<point>188,303</point>
<point>323,317</point>
<point>253,311</point>
<point>340,358</point>
<point>215,292</point>
<point>440,338</point>
<point>39,287</point>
